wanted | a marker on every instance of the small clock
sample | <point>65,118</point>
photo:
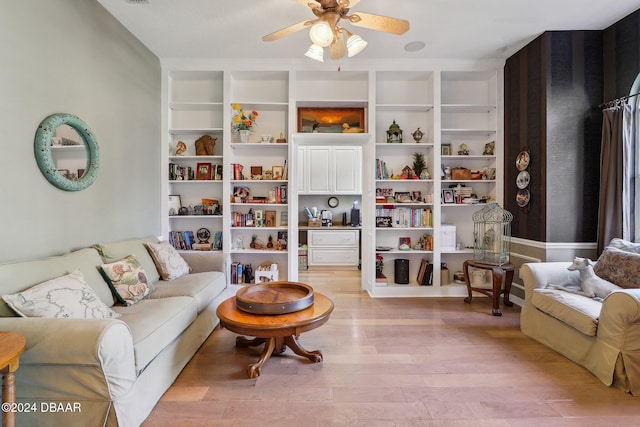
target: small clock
<point>203,235</point>
<point>333,202</point>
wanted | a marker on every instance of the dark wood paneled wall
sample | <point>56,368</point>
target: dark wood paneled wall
<point>552,89</point>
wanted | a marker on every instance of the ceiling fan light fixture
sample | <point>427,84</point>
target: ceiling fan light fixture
<point>355,45</point>
<point>321,34</point>
<point>315,52</point>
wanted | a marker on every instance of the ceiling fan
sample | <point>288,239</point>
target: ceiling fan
<point>324,31</point>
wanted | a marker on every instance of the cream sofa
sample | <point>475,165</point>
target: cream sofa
<point>603,337</point>
<point>113,370</point>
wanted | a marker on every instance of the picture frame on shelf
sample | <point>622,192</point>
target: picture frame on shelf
<point>448,196</point>
<point>404,243</point>
<point>331,120</point>
<point>402,197</point>
<point>384,222</point>
<point>416,196</point>
<point>445,149</point>
<point>217,172</point>
<point>270,218</point>
<point>277,172</point>
<point>174,204</point>
<point>240,194</point>
<point>256,171</point>
<point>203,171</point>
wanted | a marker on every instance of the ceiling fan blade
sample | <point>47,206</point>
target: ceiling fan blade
<point>379,22</point>
<point>286,31</point>
<point>338,48</point>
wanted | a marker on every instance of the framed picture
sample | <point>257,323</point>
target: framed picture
<point>216,173</point>
<point>270,218</point>
<point>448,196</point>
<point>331,120</point>
<point>174,204</point>
<point>203,171</point>
<point>403,197</point>
<point>445,149</point>
<point>404,243</point>
<point>277,172</point>
<point>256,171</point>
<point>416,196</point>
<point>384,222</point>
<point>240,194</point>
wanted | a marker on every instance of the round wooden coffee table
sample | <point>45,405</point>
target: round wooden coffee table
<point>275,331</point>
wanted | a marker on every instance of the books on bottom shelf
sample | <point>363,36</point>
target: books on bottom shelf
<point>425,273</point>
<point>244,274</point>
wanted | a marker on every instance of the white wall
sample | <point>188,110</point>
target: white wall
<point>72,56</point>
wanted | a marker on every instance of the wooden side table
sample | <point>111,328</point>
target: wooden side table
<point>11,347</point>
<point>275,331</point>
<point>498,273</point>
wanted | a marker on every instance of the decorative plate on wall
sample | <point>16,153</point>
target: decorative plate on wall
<point>522,198</point>
<point>522,161</point>
<point>522,180</point>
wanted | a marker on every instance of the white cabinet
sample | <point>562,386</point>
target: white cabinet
<point>330,170</point>
<point>333,247</point>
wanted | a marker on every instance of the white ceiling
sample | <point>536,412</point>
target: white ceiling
<point>452,29</point>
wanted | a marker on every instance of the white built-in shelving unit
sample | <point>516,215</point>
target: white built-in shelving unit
<point>451,106</point>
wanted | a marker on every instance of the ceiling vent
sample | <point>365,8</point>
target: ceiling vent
<point>137,1</point>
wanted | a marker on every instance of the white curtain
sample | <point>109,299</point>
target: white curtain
<point>629,161</point>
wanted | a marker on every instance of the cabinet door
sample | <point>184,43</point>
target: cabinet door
<point>319,170</point>
<point>347,172</point>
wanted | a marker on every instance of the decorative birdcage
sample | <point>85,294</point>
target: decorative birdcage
<point>492,234</point>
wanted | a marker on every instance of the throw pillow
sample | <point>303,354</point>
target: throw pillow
<point>127,279</point>
<point>619,267</point>
<point>67,296</point>
<point>168,261</point>
<point>625,245</point>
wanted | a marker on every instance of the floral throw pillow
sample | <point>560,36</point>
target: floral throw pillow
<point>619,267</point>
<point>67,296</point>
<point>127,279</point>
<point>168,261</point>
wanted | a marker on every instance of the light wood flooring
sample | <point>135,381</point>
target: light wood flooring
<point>402,362</point>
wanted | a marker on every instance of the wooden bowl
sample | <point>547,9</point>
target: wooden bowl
<point>274,297</point>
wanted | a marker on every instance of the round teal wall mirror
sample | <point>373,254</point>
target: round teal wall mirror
<point>84,149</point>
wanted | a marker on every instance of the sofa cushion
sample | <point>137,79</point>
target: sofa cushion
<point>578,311</point>
<point>118,250</point>
<point>18,276</point>
<point>168,261</point>
<point>625,245</point>
<point>127,280</point>
<point>155,323</point>
<point>619,267</point>
<point>67,296</point>
<point>203,287</point>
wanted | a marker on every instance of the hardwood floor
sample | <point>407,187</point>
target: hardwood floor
<point>395,362</point>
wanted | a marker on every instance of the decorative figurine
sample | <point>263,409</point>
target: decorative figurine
<point>205,145</point>
<point>282,139</point>
<point>394,134</point>
<point>489,148</point>
<point>417,135</point>
<point>181,148</point>
<point>463,150</point>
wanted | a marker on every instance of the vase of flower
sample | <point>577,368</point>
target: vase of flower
<point>243,121</point>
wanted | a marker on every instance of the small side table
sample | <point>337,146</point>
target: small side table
<point>498,272</point>
<point>11,347</point>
